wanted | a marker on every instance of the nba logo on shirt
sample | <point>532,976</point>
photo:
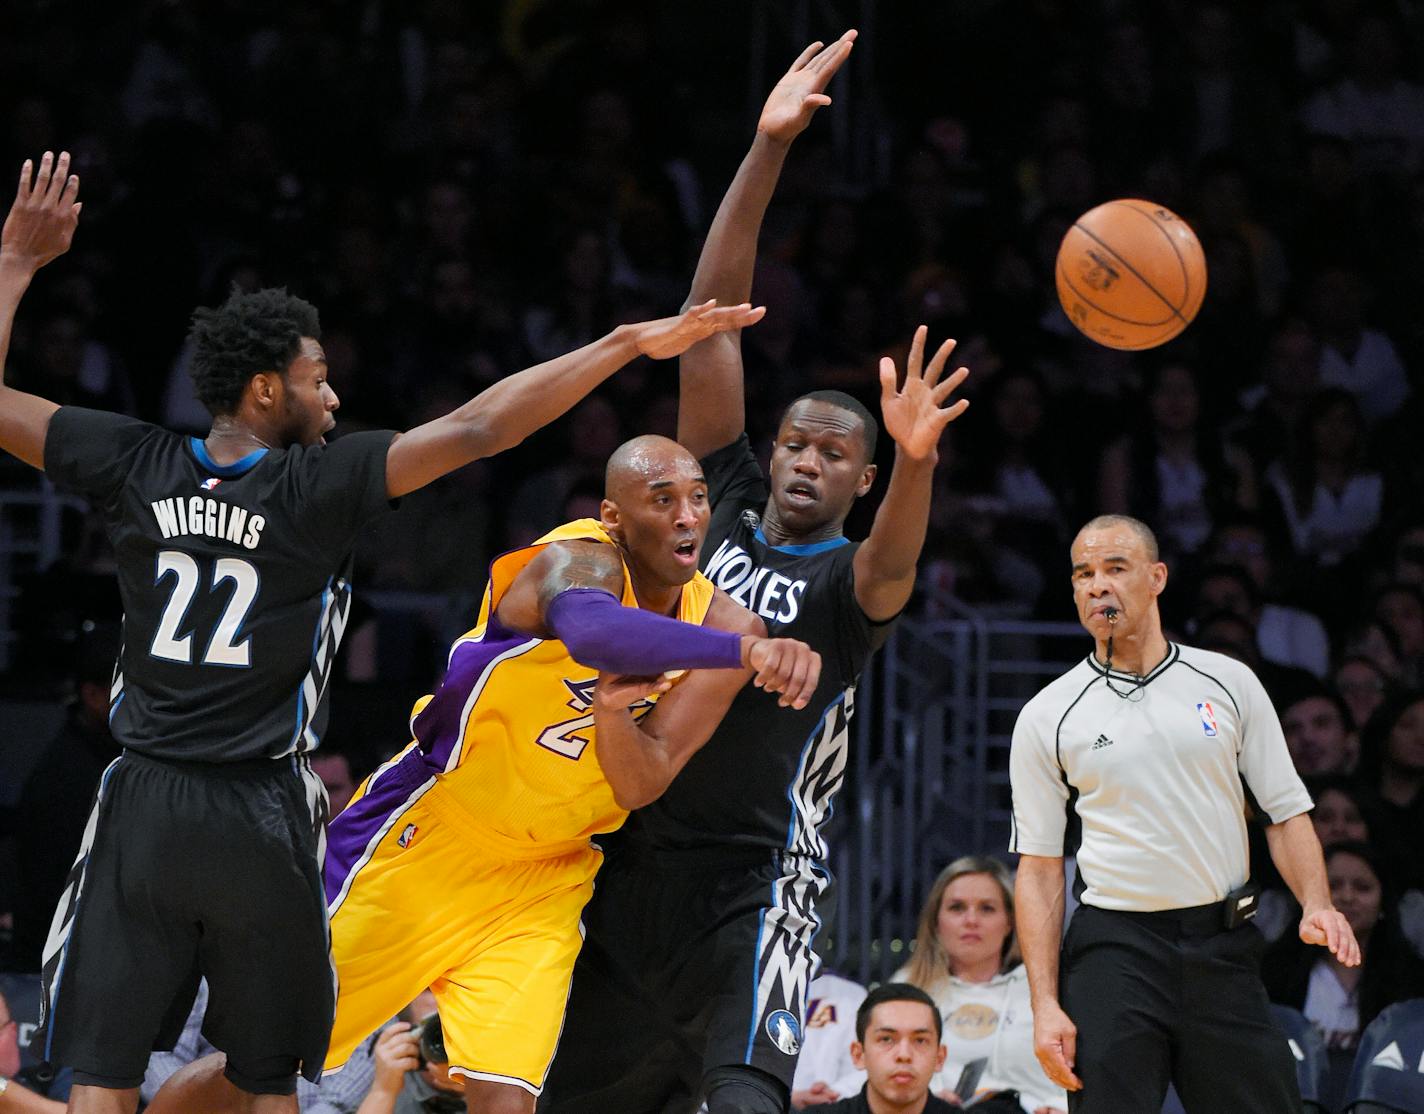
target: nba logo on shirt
<point>210,483</point>
<point>1208,719</point>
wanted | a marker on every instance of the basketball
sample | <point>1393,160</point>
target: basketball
<point>1130,274</point>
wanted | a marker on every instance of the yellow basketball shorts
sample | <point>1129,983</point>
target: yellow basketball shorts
<point>418,896</point>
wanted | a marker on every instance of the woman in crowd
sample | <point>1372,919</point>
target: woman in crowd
<point>1392,785</point>
<point>1340,1000</point>
<point>966,958</point>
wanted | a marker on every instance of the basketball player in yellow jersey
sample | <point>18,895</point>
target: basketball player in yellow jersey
<point>464,863</point>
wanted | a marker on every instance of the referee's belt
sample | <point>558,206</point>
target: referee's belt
<point>1232,911</point>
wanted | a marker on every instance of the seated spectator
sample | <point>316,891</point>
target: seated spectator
<point>413,1069</point>
<point>1341,1000</point>
<point>1399,608</point>
<point>1319,733</point>
<point>1294,638</point>
<point>898,1034</point>
<point>1294,634</point>
<point>831,1005</point>
<point>1354,357</point>
<point>1330,499</point>
<point>1392,777</point>
<point>1363,686</point>
<point>26,1089</point>
<point>1337,815</point>
<point>966,958</point>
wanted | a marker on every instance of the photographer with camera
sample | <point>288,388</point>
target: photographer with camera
<point>412,1072</point>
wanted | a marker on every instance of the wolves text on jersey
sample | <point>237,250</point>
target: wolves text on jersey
<point>212,518</point>
<point>772,596</point>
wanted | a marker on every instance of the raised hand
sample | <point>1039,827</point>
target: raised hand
<point>914,414</point>
<point>784,666</point>
<point>672,336</point>
<point>44,216</point>
<point>801,89</point>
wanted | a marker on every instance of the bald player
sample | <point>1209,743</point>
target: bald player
<point>463,864</point>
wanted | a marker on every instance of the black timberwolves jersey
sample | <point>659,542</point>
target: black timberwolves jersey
<point>234,579</point>
<point>768,774</point>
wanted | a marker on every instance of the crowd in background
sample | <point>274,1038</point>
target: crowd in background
<point>466,189</point>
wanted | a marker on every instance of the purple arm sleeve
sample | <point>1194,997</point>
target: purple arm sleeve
<point>603,634</point>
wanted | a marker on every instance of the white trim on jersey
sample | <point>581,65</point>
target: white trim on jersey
<point>458,749</point>
<point>326,640</point>
<point>784,937</point>
<point>819,775</point>
<point>56,947</point>
<point>381,833</point>
<point>491,1077</point>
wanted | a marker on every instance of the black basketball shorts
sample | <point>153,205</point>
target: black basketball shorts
<point>691,962</point>
<point>189,871</point>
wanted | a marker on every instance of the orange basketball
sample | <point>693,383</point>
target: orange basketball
<point>1131,274</point>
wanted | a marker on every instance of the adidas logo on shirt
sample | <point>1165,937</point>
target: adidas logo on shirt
<point>1102,741</point>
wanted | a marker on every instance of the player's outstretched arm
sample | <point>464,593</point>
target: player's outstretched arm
<point>505,414</point>
<point>571,592</point>
<point>39,229</point>
<point>640,758</point>
<point>712,412</point>
<point>915,415</point>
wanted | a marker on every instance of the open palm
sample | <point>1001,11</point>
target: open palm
<point>45,214</point>
<point>915,414</point>
<point>672,336</point>
<point>801,89</point>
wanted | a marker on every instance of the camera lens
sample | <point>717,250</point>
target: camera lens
<point>432,1041</point>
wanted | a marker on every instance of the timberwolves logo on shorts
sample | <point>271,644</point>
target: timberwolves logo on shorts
<point>785,1032</point>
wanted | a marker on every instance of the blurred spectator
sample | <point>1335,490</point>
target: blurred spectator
<point>1174,473</point>
<point>1340,1000</point>
<point>1290,378</point>
<point>1363,686</point>
<point>58,795</point>
<point>1337,816</point>
<point>1392,777</point>
<point>334,768</point>
<point>1284,636</point>
<point>34,1088</point>
<point>1354,357</point>
<point>1331,500</point>
<point>1399,609</point>
<point>1318,733</point>
<point>831,1005</point>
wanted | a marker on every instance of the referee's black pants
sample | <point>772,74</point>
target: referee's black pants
<point>1171,996</point>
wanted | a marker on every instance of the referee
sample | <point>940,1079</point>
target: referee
<point>1143,759</point>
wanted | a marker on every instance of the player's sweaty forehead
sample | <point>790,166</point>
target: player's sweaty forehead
<point>812,416</point>
<point>648,462</point>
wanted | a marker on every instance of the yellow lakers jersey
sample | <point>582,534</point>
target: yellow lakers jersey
<point>510,730</point>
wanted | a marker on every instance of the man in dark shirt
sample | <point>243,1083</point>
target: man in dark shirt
<point>201,859</point>
<point>899,1044</point>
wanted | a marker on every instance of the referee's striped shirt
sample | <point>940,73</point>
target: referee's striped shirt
<point>1147,779</point>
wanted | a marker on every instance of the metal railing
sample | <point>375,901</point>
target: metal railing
<point>930,779</point>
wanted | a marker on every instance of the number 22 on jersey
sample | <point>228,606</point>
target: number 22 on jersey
<point>223,647</point>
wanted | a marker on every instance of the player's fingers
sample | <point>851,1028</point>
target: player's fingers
<point>951,413</point>
<point>943,390</point>
<point>794,682</point>
<point>27,172</point>
<point>770,666</point>
<point>831,56</point>
<point>819,100</point>
<point>888,378</point>
<point>937,362</point>
<point>71,191</point>
<point>916,360</point>
<point>58,178</point>
<point>811,678</point>
<point>805,56</point>
<point>42,175</point>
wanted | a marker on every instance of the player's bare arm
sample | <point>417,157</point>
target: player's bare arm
<point>713,412</point>
<point>503,415</point>
<point>1039,894</point>
<point>39,229</point>
<point>559,567</point>
<point>1295,849</point>
<point>916,413</point>
<point>640,758</point>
